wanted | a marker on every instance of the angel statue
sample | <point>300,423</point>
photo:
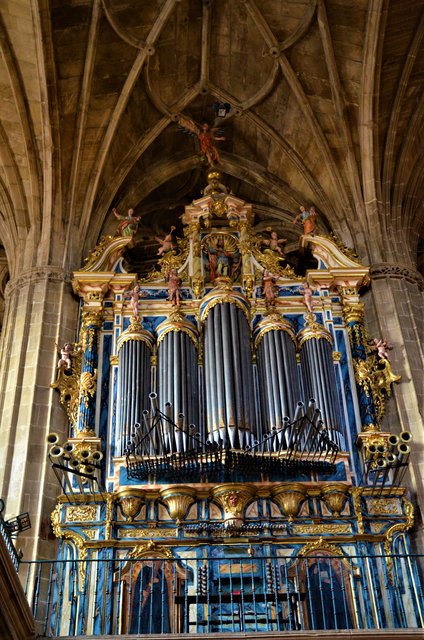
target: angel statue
<point>274,243</point>
<point>66,353</point>
<point>382,347</point>
<point>206,136</point>
<point>167,243</point>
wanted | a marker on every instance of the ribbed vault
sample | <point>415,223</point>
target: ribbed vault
<point>326,108</point>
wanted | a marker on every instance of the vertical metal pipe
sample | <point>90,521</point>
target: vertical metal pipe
<point>274,379</point>
<point>228,367</point>
<point>246,373</point>
<point>210,329</point>
<point>183,374</point>
<point>177,373</point>
<point>219,368</point>
<point>236,359</point>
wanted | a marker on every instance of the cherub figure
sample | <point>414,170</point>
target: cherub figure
<point>307,292</point>
<point>134,301</point>
<point>174,288</point>
<point>307,218</point>
<point>167,243</point>
<point>66,352</point>
<point>129,225</point>
<point>382,347</point>
<point>274,243</point>
<point>269,288</point>
<point>207,138</point>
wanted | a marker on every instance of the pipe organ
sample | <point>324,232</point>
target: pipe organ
<point>230,405</point>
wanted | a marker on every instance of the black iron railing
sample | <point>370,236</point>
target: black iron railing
<point>6,531</point>
<point>224,594</point>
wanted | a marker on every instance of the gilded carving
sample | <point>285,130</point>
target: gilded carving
<point>67,383</point>
<point>76,538</point>
<point>335,495</point>
<point>178,500</point>
<point>395,528</point>
<point>375,376</point>
<point>130,505</point>
<point>356,493</point>
<point>353,312</point>
<point>88,385</point>
<point>109,514</point>
<point>322,528</point>
<point>81,513</point>
<point>290,497</point>
<point>320,545</point>
<point>147,533</point>
<point>90,533</point>
<point>233,498</point>
<point>384,506</point>
<point>149,550</point>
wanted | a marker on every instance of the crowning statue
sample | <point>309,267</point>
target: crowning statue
<point>206,136</point>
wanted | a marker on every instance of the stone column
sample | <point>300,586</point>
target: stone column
<point>40,313</point>
<point>395,311</point>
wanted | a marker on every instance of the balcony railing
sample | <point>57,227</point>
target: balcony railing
<point>8,540</point>
<point>223,594</point>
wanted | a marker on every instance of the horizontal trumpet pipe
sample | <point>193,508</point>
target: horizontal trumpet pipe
<point>52,438</point>
<point>405,436</point>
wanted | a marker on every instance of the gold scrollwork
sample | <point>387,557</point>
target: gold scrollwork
<point>320,545</point>
<point>81,513</point>
<point>322,528</point>
<point>384,506</point>
<point>375,376</point>
<point>88,383</point>
<point>147,533</point>
<point>398,527</point>
<point>76,538</point>
<point>356,493</point>
<point>150,549</point>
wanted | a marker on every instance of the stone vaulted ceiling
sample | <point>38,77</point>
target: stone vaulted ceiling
<point>326,108</point>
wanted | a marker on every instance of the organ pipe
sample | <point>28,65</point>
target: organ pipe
<point>178,372</point>
<point>319,377</point>
<point>228,370</point>
<point>134,348</point>
<point>275,345</point>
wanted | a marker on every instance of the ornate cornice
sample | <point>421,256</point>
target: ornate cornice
<point>37,274</point>
<point>398,272</point>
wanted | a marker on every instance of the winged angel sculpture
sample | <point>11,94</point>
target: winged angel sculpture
<point>206,136</point>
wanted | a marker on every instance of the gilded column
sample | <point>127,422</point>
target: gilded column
<point>91,323</point>
<point>353,312</point>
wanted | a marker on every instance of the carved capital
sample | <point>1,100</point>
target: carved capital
<point>398,272</point>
